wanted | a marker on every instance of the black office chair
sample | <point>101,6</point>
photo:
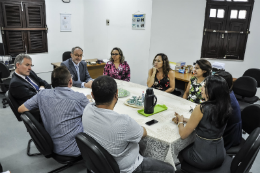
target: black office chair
<point>250,121</point>
<point>1,169</point>
<point>4,84</point>
<point>14,106</point>
<point>245,86</point>
<point>95,157</point>
<point>254,73</point>
<point>44,143</point>
<point>66,55</point>
<point>241,163</point>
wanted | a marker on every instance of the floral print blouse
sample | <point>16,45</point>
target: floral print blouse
<point>163,84</point>
<point>195,91</point>
<point>121,73</point>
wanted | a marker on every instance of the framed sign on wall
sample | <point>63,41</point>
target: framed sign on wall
<point>65,22</point>
<point>138,21</point>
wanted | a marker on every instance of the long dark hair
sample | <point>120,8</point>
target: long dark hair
<point>205,65</point>
<point>217,91</point>
<point>227,76</point>
<point>166,64</point>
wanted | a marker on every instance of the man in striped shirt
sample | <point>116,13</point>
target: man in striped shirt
<point>117,133</point>
<point>61,111</point>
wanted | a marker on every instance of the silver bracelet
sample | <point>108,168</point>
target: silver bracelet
<point>179,123</point>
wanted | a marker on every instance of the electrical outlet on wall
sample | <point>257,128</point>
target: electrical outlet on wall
<point>107,22</point>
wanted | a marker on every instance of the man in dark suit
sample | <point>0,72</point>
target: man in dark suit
<point>78,69</point>
<point>25,83</point>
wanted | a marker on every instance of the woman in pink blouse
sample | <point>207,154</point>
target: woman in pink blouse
<point>117,67</point>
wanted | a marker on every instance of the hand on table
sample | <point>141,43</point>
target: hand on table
<point>178,118</point>
<point>89,84</point>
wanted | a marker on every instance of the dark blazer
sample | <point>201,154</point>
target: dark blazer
<point>83,72</point>
<point>21,90</point>
<point>233,133</point>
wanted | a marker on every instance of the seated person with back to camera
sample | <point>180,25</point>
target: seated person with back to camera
<point>161,76</point>
<point>61,111</point>
<point>233,133</point>
<point>25,83</point>
<point>209,120</point>
<point>78,69</point>
<point>117,67</point>
<point>201,71</point>
<point>117,133</point>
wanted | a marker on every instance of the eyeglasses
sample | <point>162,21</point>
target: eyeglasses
<point>78,55</point>
<point>114,54</point>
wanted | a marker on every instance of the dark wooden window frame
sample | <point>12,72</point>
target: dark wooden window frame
<point>226,38</point>
<point>23,26</point>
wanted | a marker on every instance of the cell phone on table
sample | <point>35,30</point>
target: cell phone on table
<point>149,123</point>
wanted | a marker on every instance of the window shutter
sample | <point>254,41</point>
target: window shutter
<point>15,41</point>
<point>37,40</point>
<point>23,26</point>
<point>34,15</point>
<point>12,15</point>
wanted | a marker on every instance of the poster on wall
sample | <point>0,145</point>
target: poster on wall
<point>138,21</point>
<point>65,22</point>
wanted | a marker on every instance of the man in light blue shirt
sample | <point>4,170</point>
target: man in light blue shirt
<point>119,134</point>
<point>61,112</point>
<point>78,69</point>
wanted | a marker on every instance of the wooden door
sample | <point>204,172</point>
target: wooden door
<point>213,41</point>
<point>238,20</point>
<point>226,28</point>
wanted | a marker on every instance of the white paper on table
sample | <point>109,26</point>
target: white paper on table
<point>105,60</point>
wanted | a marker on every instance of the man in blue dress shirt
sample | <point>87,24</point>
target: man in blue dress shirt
<point>61,111</point>
<point>78,69</point>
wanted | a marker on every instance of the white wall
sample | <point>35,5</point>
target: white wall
<point>100,38</point>
<point>59,42</point>
<point>177,31</point>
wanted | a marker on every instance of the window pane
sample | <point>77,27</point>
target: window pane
<point>228,0</point>
<point>242,14</point>
<point>233,14</point>
<point>240,0</point>
<point>221,13</point>
<point>213,13</point>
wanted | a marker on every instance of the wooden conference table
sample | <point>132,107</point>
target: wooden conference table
<point>163,141</point>
<point>94,70</point>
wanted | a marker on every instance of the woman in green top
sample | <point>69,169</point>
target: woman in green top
<point>201,71</point>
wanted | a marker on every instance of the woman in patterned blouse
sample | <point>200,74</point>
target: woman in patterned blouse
<point>117,67</point>
<point>201,71</point>
<point>161,76</point>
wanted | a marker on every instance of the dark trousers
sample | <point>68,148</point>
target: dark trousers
<point>1,169</point>
<point>150,165</point>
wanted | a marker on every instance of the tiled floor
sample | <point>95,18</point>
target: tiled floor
<point>13,144</point>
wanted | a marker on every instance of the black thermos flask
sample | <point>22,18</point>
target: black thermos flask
<point>150,101</point>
